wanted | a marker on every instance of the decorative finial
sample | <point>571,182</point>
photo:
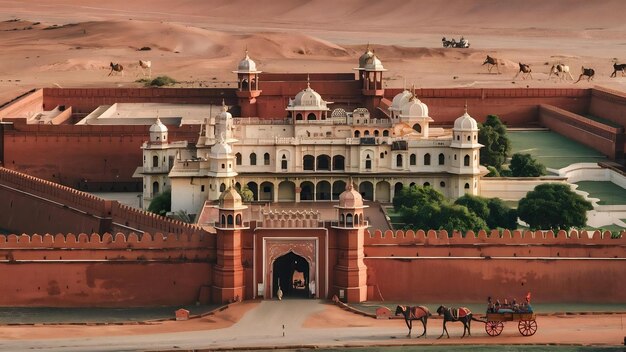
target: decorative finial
<point>247,57</point>
<point>404,83</point>
<point>466,106</point>
<point>368,46</point>
<point>308,81</point>
<point>224,107</point>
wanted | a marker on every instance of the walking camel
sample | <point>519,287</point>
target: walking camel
<point>143,65</point>
<point>560,71</point>
<point>116,68</point>
<point>491,62</point>
<point>525,70</point>
<point>589,72</point>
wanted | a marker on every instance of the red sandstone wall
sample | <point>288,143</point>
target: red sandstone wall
<point>608,104</point>
<point>603,138</point>
<point>102,284</point>
<point>436,268</point>
<point>28,104</point>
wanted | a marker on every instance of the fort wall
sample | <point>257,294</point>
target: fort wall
<point>513,188</point>
<point>24,106</point>
<point>432,267</point>
<point>606,139</point>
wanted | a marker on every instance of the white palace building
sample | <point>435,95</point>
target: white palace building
<point>311,155</point>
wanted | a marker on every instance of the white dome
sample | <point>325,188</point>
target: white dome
<point>374,64</point>
<point>414,108</point>
<point>465,123</point>
<point>307,99</point>
<point>366,56</point>
<point>400,99</point>
<point>247,65</point>
<point>224,115</point>
<point>158,127</point>
<point>350,198</point>
<point>221,149</point>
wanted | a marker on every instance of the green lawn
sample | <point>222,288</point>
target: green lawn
<point>551,149</point>
<point>608,192</point>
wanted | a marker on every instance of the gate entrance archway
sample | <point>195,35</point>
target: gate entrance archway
<point>291,273</point>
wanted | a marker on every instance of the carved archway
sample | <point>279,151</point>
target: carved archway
<point>276,248</point>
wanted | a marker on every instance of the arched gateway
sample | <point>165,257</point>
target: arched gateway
<point>290,272</point>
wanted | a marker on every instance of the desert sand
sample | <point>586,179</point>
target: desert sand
<point>71,43</point>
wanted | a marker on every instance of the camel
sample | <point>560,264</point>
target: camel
<point>146,65</point>
<point>491,62</point>
<point>116,68</point>
<point>525,70</point>
<point>618,67</point>
<point>589,72</point>
<point>560,71</point>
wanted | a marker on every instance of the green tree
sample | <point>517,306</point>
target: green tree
<point>457,217</point>
<point>410,197</point>
<point>553,206</point>
<point>183,216</point>
<point>501,215</point>
<point>475,204</point>
<point>524,165</point>
<point>246,194</point>
<point>162,203</point>
<point>493,172</point>
<point>497,146</point>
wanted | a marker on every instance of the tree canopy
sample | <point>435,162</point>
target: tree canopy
<point>497,146</point>
<point>553,206</point>
<point>162,203</point>
<point>246,194</point>
<point>524,165</point>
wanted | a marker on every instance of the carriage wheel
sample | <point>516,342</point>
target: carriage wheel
<point>527,327</point>
<point>494,328</point>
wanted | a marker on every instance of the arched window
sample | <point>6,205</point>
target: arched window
<point>427,159</point>
<point>339,162</point>
<point>155,161</point>
<point>238,219</point>
<point>417,127</point>
<point>266,158</point>
<point>466,160</point>
<point>368,162</point>
<point>308,163</point>
<point>253,159</point>
<point>467,186</point>
<point>342,220</point>
<point>442,184</point>
<point>385,133</point>
<point>458,138</point>
<point>349,222</point>
<point>356,219</point>
<point>413,160</point>
<point>229,219</point>
<point>311,116</point>
<point>357,134</point>
<point>298,116</point>
<point>223,219</point>
<point>283,162</point>
<point>222,187</point>
<point>382,155</point>
<point>238,158</point>
<point>469,138</point>
<point>155,188</point>
<point>366,133</point>
<point>399,160</point>
<point>442,159</point>
<point>223,166</point>
<point>376,133</point>
<point>426,184</point>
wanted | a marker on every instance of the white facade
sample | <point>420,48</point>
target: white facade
<point>313,156</point>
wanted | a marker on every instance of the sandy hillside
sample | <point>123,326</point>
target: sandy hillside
<point>71,43</point>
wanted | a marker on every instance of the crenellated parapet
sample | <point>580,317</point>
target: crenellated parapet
<point>128,218</point>
<point>507,244</point>
<point>107,246</point>
<point>291,219</point>
<point>506,237</point>
<point>20,182</point>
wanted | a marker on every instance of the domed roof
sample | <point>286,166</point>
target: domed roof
<point>374,64</point>
<point>465,123</point>
<point>221,149</point>
<point>230,199</point>
<point>158,127</point>
<point>366,55</point>
<point>400,99</point>
<point>246,65</point>
<point>414,108</point>
<point>224,115</point>
<point>350,198</point>
<point>308,99</point>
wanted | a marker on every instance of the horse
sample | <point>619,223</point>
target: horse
<point>420,313</point>
<point>560,71</point>
<point>491,62</point>
<point>525,70</point>
<point>116,68</point>
<point>146,65</point>
<point>462,314</point>
<point>589,72</point>
<point>618,67</point>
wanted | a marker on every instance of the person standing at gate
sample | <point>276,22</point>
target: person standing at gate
<point>312,288</point>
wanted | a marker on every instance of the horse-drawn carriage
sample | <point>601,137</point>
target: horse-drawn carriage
<point>462,43</point>
<point>527,325</point>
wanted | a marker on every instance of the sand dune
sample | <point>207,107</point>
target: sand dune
<point>71,43</point>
